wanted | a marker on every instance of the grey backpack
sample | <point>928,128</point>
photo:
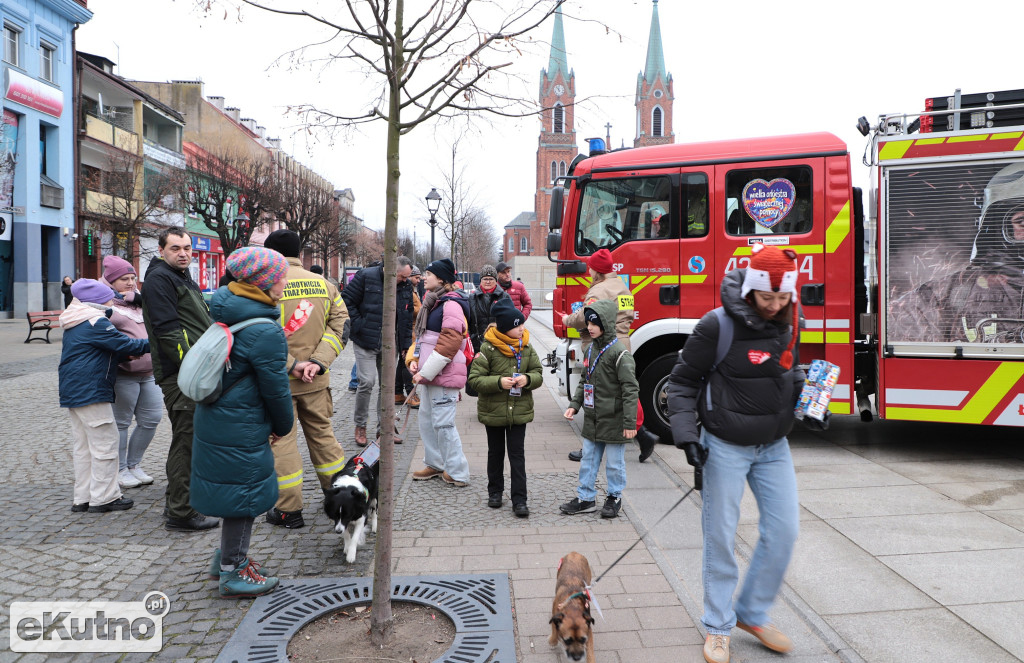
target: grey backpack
<point>201,374</point>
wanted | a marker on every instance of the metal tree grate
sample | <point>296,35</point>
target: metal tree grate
<point>479,605</point>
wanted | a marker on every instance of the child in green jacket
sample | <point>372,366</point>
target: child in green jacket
<point>503,374</point>
<point>607,394</point>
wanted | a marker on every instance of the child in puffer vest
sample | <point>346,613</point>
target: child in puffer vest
<point>504,373</point>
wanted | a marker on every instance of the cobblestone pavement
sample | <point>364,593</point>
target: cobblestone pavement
<point>50,552</point>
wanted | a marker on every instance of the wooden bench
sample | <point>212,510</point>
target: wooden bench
<point>42,321</point>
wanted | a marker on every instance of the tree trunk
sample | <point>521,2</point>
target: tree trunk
<point>382,622</point>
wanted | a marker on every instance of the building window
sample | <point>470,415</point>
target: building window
<point>12,44</point>
<point>554,171</point>
<point>523,246</point>
<point>559,119</point>
<point>511,243</point>
<point>656,122</point>
<point>561,168</point>
<point>46,57</point>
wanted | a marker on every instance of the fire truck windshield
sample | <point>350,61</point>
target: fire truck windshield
<point>615,211</point>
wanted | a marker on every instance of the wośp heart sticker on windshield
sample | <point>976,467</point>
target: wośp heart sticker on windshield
<point>767,203</point>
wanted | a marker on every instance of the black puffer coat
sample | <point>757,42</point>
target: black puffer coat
<point>364,298</point>
<point>480,317</point>
<point>752,395</point>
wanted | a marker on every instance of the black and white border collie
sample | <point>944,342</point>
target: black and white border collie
<point>351,501</point>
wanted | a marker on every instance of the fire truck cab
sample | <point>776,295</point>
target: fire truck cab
<point>676,218</point>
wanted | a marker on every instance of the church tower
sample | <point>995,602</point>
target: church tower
<point>654,95</point>
<point>557,143</point>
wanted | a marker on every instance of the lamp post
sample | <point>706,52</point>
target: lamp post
<point>433,203</point>
<point>344,247</point>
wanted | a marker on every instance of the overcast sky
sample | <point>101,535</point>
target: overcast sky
<point>740,68</point>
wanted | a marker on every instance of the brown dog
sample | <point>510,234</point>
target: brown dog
<point>570,613</point>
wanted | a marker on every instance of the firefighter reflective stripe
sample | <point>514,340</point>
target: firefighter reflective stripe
<point>837,330</point>
<point>330,468</point>
<point>333,340</point>
<point>977,409</point>
<point>838,230</point>
<point>289,480</point>
<point>338,301</point>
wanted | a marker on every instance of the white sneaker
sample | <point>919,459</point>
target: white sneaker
<point>139,474</point>
<point>127,480</point>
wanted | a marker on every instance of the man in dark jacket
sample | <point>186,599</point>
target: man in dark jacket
<point>364,297</point>
<point>176,316</point>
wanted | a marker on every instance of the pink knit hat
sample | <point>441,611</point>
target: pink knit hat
<point>256,265</point>
<point>114,268</point>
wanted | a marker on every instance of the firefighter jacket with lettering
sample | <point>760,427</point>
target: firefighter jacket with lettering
<point>316,324</point>
<point>612,288</point>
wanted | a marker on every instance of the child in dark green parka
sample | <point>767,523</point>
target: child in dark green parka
<point>607,395</point>
<point>503,374</point>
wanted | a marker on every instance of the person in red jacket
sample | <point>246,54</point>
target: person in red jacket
<point>515,289</point>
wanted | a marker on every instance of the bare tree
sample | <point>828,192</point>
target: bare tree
<point>334,237</point>
<point>213,187</point>
<point>457,207</point>
<point>304,205</point>
<point>369,248</point>
<point>477,243</point>
<point>447,62</point>
<point>129,201</point>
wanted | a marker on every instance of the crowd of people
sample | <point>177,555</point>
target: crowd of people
<point>236,458</point>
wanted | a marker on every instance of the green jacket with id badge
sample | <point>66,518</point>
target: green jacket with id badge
<point>609,373</point>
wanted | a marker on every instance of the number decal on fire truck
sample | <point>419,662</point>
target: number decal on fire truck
<point>806,265</point>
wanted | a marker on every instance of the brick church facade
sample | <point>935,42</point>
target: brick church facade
<point>526,235</point>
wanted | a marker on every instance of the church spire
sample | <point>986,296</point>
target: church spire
<point>655,53</point>
<point>557,61</point>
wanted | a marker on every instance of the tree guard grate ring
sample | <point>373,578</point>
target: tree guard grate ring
<point>478,604</point>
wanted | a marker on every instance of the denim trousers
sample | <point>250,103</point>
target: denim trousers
<point>235,534</point>
<point>768,469</point>
<point>136,397</point>
<point>614,469</point>
<point>442,446</point>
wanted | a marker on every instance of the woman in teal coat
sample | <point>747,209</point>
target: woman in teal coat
<point>504,373</point>
<point>233,473</point>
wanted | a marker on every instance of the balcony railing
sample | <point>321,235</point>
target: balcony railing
<point>106,132</point>
<point>105,204</point>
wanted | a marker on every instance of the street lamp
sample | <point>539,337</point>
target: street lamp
<point>344,247</point>
<point>433,203</point>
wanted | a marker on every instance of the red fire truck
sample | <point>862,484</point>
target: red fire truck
<point>919,303</point>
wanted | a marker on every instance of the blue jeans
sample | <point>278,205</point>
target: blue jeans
<point>614,469</point>
<point>442,446</point>
<point>136,398</point>
<point>768,468</point>
<point>353,382</point>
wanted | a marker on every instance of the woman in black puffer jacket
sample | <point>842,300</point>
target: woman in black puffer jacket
<point>745,414</point>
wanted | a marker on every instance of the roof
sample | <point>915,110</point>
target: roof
<point>655,65</point>
<point>522,220</point>
<point>740,149</point>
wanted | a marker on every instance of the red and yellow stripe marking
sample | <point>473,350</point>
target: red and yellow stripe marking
<point>1004,141</point>
<point>977,409</point>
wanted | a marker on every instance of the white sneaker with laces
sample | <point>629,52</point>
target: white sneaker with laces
<point>141,475</point>
<point>127,480</point>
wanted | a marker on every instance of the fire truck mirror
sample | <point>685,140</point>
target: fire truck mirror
<point>554,242</point>
<point>555,213</point>
<point>812,294</point>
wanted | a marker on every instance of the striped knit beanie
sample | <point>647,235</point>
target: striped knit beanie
<point>256,265</point>
<point>774,270</point>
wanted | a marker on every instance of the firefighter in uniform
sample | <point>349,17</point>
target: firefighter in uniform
<point>316,324</point>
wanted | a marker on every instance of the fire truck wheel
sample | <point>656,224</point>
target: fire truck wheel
<point>653,396</point>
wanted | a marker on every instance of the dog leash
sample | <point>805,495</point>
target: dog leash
<point>408,410</point>
<point>670,510</point>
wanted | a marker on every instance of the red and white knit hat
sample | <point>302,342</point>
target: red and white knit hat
<point>775,270</point>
